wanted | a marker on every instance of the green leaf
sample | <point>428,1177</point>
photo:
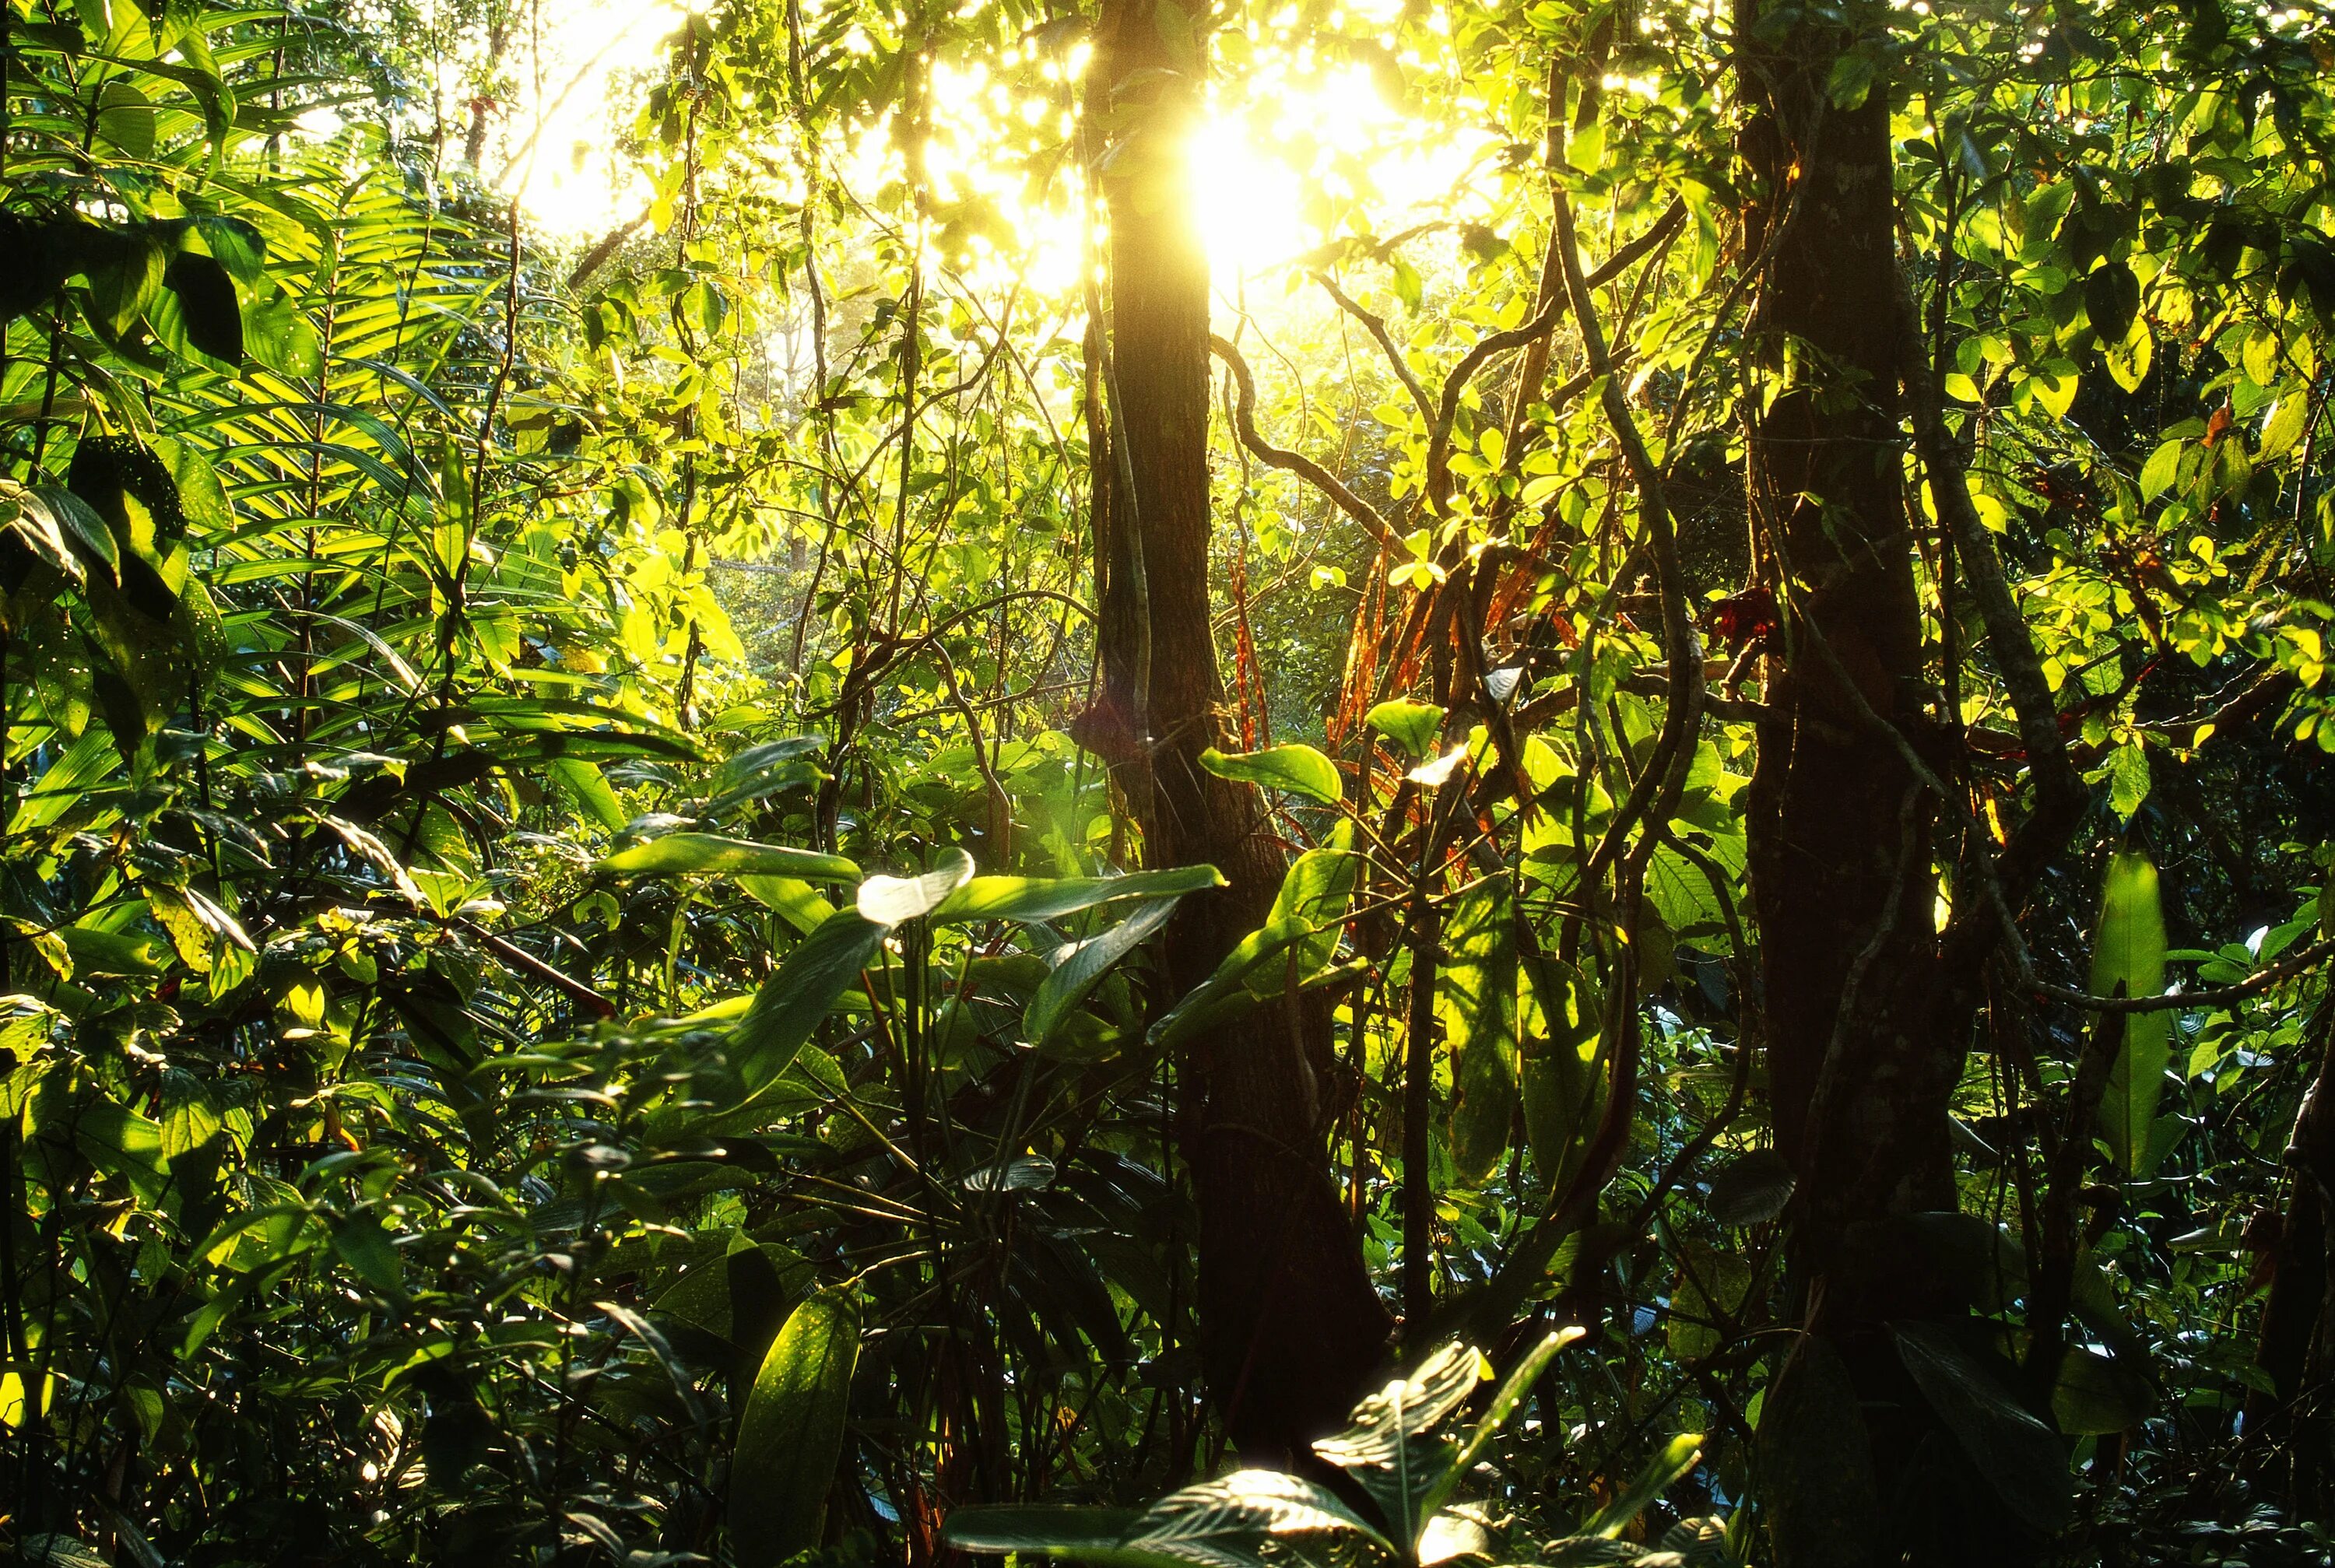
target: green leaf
<point>2128,779</point>
<point>798,997</point>
<point>584,783</point>
<point>278,334</point>
<point>125,117</point>
<point>207,305</point>
<point>1223,1523</point>
<point>2020,1456</point>
<point>2129,952</point>
<point>1392,1447</point>
<point>1227,993</point>
<point>1750,1189</point>
<point>1677,1458</point>
<point>1518,1383</point>
<point>1476,995</point>
<point>2157,474</point>
<point>365,1248</point>
<point>894,900</point>
<point>765,769</point>
<point>1563,1091</point>
<point>791,1437</point>
<point>2286,423</point>
<point>2097,1395</point>
<point>1299,769</point>
<point>1050,898</point>
<point>2111,299</point>
<point>1054,1530</point>
<point>1413,726</point>
<point>685,854</point>
<point>1079,967</point>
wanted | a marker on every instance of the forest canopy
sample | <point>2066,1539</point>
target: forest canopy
<point>846,781</point>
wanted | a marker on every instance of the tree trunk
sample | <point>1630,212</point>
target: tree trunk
<point>1291,1325</point>
<point>2288,1430</point>
<point>1863,1050</point>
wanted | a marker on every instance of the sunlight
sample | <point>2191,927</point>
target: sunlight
<point>555,146</point>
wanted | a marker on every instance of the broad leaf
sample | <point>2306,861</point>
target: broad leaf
<point>1050,898</point>
<point>1299,769</point>
<point>687,854</point>
<point>2128,959</point>
<point>1392,1447</point>
<point>1412,726</point>
<point>1079,967</point>
<point>2018,1456</point>
<point>896,900</point>
<point>791,1437</point>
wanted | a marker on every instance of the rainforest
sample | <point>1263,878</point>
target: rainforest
<point>1166,783</point>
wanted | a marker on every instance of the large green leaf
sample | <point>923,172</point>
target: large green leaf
<point>894,900</point>
<point>791,1437</point>
<point>1394,1447</point>
<point>1412,726</point>
<point>1248,1519</point>
<point>1679,1455</point>
<point>1476,994</point>
<point>1079,966</point>
<point>2128,959</point>
<point>1050,898</point>
<point>1564,1094</point>
<point>683,853</point>
<point>1297,769</point>
<point>798,997</point>
<point>2018,1456</point>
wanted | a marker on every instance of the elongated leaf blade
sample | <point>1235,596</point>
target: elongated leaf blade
<point>1050,898</point>
<point>791,1437</point>
<point>1084,968</point>
<point>687,854</point>
<point>2130,954</point>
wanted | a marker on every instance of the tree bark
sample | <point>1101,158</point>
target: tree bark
<point>1863,1052</point>
<point>1291,1324</point>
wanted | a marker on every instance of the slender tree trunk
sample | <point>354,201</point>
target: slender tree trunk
<point>1291,1325</point>
<point>2288,1429</point>
<point>1864,1040</point>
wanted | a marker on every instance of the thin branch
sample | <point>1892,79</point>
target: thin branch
<point>1303,467</point>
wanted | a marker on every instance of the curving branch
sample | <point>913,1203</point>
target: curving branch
<point>1376,327</point>
<point>1493,344</point>
<point>1298,463</point>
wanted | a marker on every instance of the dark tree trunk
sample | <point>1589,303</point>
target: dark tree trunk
<point>1291,1325</point>
<point>2288,1430</point>
<point>1864,1038</point>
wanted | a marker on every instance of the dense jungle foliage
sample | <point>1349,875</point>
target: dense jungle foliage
<point>1374,781</point>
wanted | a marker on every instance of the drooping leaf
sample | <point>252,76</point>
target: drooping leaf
<point>1476,996</point>
<point>2097,1395</point>
<point>798,997</point>
<point>1300,769</point>
<point>207,305</point>
<point>2020,1456</point>
<point>791,1434</point>
<point>1564,1094</point>
<point>1751,1188</point>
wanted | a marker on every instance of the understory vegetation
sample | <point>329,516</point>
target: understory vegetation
<point>1534,781</point>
